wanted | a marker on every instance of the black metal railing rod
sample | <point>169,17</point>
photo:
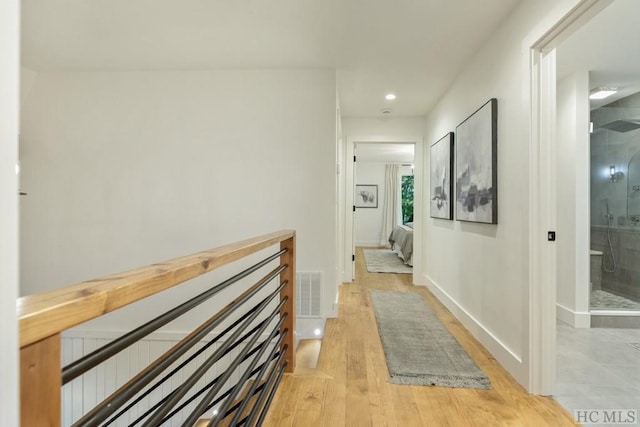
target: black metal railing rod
<point>82,365</point>
<point>204,367</point>
<point>272,393</point>
<point>240,358</point>
<point>235,406</point>
<point>117,399</point>
<point>263,345</point>
<point>202,349</point>
<point>245,376</point>
<point>203,388</point>
<point>238,388</point>
<point>278,354</point>
<point>259,389</point>
<point>257,380</point>
<point>222,396</point>
<point>271,357</point>
<point>269,383</point>
<point>200,407</point>
<point>254,387</point>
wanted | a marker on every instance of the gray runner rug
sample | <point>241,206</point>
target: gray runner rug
<point>385,261</point>
<point>418,347</point>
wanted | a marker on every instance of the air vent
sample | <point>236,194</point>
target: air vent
<point>309,294</point>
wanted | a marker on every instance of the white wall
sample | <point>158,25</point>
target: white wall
<point>368,221</point>
<point>373,129</point>
<point>573,199</point>
<point>124,169</point>
<point>481,271</point>
<point>9,67</point>
<point>384,128</point>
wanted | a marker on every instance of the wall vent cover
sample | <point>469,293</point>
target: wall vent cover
<point>309,293</point>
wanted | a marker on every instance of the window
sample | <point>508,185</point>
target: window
<point>407,198</point>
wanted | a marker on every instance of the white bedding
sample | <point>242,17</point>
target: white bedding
<point>401,241</point>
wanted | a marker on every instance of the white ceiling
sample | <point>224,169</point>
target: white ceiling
<point>414,48</point>
<point>608,46</point>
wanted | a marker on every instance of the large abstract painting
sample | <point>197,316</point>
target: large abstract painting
<point>476,166</point>
<point>441,164</point>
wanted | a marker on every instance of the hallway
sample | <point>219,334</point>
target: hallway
<point>349,386</point>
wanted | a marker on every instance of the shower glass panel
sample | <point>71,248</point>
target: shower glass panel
<point>615,205</point>
<point>633,190</point>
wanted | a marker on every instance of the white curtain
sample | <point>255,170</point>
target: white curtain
<point>390,204</point>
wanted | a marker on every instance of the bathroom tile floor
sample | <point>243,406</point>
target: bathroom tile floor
<point>598,368</point>
<point>603,300</point>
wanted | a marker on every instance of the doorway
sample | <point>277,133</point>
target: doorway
<point>598,317</point>
<point>372,161</point>
<point>375,153</point>
<point>543,189</point>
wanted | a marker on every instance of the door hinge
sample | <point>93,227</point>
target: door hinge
<point>551,236</point>
<point>354,159</point>
<point>354,208</point>
<point>353,257</point>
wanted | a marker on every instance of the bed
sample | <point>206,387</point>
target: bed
<point>401,241</point>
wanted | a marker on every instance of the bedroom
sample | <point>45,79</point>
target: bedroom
<point>380,213</point>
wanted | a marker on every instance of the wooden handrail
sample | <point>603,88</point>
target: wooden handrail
<point>49,313</point>
<point>43,317</point>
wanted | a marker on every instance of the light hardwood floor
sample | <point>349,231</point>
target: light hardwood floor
<point>349,385</point>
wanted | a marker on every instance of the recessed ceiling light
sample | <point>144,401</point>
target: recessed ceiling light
<point>390,96</point>
<point>602,92</point>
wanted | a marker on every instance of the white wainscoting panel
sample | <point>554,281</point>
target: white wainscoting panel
<point>83,393</point>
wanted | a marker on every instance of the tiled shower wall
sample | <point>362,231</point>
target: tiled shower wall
<point>619,199</point>
<point>619,149</point>
<point>625,281</point>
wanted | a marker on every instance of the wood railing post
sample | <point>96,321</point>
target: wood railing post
<point>40,383</point>
<point>289,275</point>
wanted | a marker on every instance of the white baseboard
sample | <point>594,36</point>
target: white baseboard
<point>573,318</point>
<point>508,358</point>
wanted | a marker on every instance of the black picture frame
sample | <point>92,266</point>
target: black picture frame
<point>366,196</point>
<point>476,171</point>
<point>440,177</point>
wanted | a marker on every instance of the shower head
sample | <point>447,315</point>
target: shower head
<point>622,125</point>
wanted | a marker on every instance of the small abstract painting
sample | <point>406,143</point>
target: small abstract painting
<point>366,196</point>
<point>476,166</point>
<point>441,164</point>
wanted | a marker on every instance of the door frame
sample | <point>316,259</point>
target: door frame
<point>541,81</point>
<point>9,207</point>
<point>348,274</point>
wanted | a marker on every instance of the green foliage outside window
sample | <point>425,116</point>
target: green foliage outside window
<point>407,199</point>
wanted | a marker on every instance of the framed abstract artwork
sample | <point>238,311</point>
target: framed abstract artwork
<point>441,165</point>
<point>476,159</point>
<point>366,196</point>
